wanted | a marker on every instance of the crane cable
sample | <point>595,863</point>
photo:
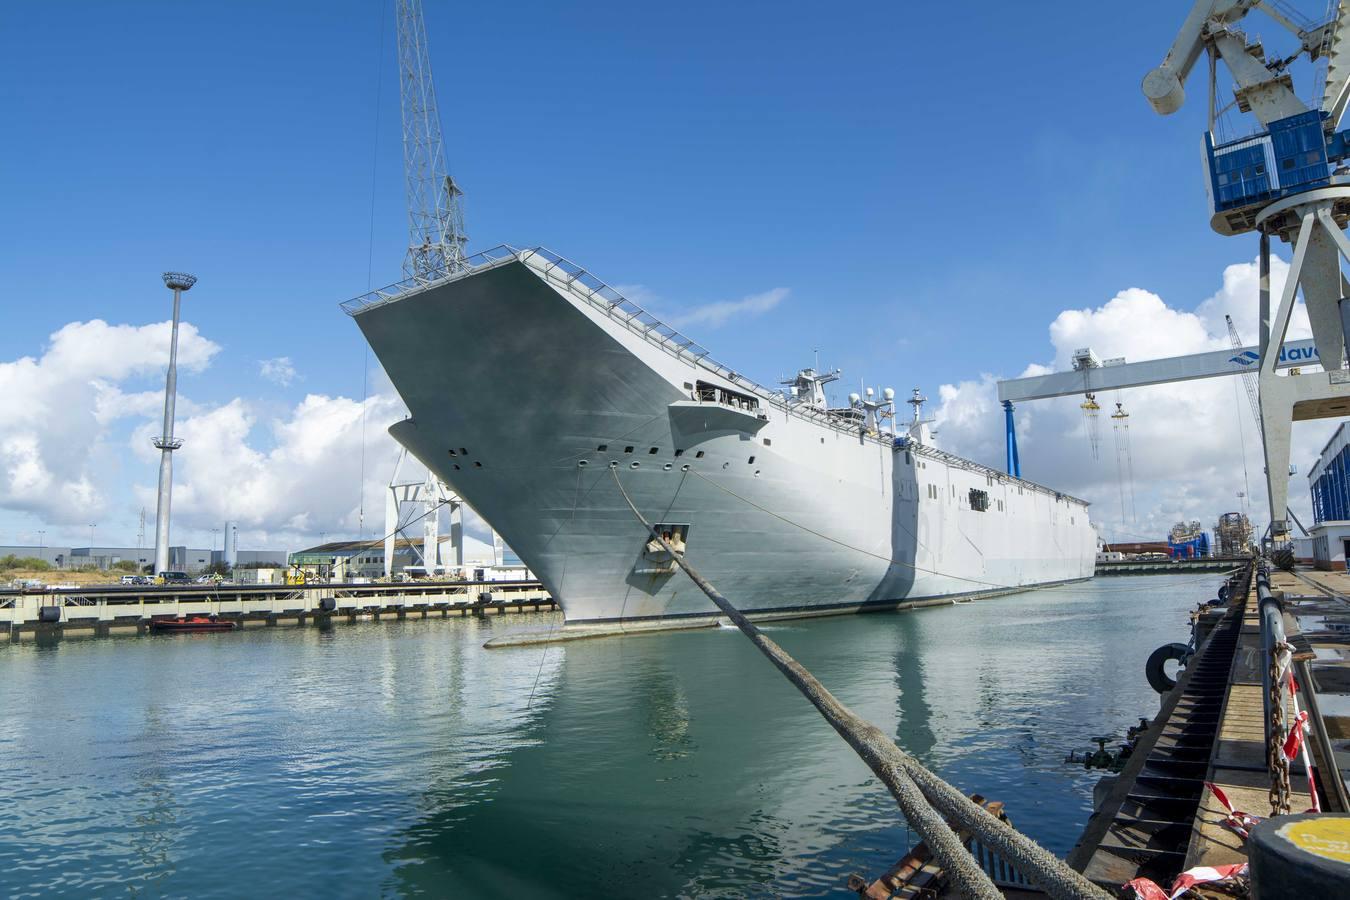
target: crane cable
<point>1092,424</point>
<point>370,268</point>
<point>1242,448</point>
<point>1120,425</point>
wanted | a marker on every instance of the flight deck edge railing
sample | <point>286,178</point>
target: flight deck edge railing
<point>581,282</point>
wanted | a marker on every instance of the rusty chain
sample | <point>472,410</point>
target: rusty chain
<point>1277,763</point>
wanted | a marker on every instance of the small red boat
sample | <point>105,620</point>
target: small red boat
<point>192,623</point>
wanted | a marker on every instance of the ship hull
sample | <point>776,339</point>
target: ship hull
<point>547,412</point>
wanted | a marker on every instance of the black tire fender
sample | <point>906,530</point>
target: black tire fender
<point>1155,669</point>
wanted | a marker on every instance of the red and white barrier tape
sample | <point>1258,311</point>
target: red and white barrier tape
<point>1241,822</point>
<point>1145,889</point>
<point>1295,743</point>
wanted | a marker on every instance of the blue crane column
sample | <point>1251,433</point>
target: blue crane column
<point>1014,466</point>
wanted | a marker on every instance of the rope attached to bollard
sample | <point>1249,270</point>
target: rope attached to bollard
<point>922,796</point>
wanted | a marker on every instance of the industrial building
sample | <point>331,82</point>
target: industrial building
<point>1329,481</point>
<point>343,560</point>
<point>249,558</point>
<point>181,559</point>
<point>106,557</point>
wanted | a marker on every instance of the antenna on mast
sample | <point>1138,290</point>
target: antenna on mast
<point>436,235</point>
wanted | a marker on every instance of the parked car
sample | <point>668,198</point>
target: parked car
<point>135,579</point>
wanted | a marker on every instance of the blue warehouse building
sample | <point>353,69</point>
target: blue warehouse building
<point>1329,481</point>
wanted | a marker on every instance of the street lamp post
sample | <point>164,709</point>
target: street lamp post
<point>178,282</point>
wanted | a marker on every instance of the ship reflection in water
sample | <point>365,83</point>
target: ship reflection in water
<point>402,758</point>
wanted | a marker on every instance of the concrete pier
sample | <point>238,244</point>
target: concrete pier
<point>1171,566</point>
<point>1160,817</point>
<point>131,610</point>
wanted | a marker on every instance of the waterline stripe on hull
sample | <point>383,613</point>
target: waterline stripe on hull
<point>595,628</point>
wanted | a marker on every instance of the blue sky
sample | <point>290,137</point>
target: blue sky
<point>931,185</point>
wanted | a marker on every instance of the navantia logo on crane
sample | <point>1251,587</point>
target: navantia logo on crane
<point>1289,355</point>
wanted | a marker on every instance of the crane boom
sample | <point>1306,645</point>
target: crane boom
<point>435,213</point>
<point>1336,88</point>
<point>1248,378</point>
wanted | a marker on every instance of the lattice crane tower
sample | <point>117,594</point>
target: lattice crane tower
<point>435,211</point>
<point>1279,181</point>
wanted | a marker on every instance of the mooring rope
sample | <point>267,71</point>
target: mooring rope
<point>920,794</point>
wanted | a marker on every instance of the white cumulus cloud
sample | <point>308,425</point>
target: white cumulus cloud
<point>287,478</point>
<point>1185,442</point>
<point>708,315</point>
<point>279,370</point>
<point>75,444</point>
<point>714,315</point>
<point>58,406</point>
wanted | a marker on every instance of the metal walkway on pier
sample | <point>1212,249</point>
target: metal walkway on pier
<point>1143,827</point>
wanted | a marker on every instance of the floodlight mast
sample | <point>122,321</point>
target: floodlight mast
<point>435,209</point>
<point>1279,183</point>
<point>178,282</point>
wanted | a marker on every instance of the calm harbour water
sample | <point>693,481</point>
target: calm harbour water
<point>401,758</point>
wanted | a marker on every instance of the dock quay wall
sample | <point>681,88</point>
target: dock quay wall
<point>1171,566</point>
<point>131,609</point>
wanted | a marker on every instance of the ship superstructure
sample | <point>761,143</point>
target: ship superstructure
<point>541,396</point>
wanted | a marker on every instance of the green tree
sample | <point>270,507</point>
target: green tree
<point>33,563</point>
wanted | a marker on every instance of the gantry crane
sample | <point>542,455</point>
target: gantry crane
<point>1248,377</point>
<point>435,209</point>
<point>1278,182</point>
<point>1249,383</point>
